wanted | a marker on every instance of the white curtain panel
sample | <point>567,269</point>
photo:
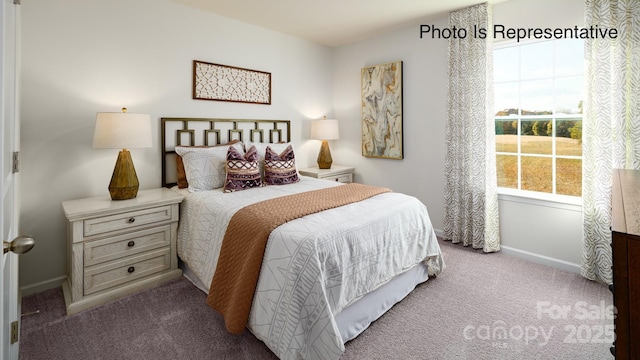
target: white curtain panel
<point>471,201</point>
<point>611,123</point>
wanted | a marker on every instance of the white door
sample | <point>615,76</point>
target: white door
<point>9,137</point>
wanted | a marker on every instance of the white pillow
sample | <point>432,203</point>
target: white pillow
<point>205,168</point>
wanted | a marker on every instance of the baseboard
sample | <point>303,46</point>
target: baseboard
<point>42,286</point>
<point>541,259</point>
<point>533,257</point>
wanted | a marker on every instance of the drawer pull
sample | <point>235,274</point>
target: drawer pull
<point>132,220</point>
<point>131,269</point>
<point>131,243</point>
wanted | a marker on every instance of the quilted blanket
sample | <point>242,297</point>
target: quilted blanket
<point>314,266</point>
<point>234,282</point>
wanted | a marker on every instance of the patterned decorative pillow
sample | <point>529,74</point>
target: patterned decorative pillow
<point>205,168</point>
<point>280,169</point>
<point>243,171</point>
<point>262,148</point>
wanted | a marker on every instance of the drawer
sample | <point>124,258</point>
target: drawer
<point>343,178</point>
<point>126,220</point>
<point>110,274</point>
<point>118,247</point>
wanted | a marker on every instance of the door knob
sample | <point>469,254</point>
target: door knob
<point>19,245</point>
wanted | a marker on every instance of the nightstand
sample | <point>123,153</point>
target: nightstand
<point>115,248</point>
<point>337,173</point>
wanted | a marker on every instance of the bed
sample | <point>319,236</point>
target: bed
<point>324,276</point>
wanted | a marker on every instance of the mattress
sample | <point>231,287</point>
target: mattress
<point>318,266</point>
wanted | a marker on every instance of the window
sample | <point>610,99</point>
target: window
<point>538,116</point>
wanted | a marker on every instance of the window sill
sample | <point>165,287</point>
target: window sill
<point>573,203</point>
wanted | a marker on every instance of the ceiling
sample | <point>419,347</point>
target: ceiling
<point>331,22</point>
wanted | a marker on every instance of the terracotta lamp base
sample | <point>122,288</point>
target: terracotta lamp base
<point>124,181</point>
<point>324,156</point>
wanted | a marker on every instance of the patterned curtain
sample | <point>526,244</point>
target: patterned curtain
<point>471,201</point>
<point>611,123</point>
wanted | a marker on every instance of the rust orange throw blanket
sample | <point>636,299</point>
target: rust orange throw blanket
<point>236,276</point>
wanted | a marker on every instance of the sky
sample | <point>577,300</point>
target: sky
<point>524,76</point>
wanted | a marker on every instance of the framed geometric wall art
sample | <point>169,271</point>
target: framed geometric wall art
<point>381,89</point>
<point>229,83</point>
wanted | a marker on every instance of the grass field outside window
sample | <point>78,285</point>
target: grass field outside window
<point>533,168</point>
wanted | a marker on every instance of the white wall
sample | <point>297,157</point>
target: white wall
<point>424,88</point>
<point>80,57</point>
<point>538,230</point>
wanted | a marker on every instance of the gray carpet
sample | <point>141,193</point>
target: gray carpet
<point>483,306</point>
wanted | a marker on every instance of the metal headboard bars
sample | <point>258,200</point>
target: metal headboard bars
<point>210,132</point>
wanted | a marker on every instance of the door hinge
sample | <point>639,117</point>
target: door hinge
<point>17,2</point>
<point>15,332</point>
<point>16,161</point>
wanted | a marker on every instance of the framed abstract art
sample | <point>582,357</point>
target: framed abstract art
<point>381,89</point>
<point>229,83</point>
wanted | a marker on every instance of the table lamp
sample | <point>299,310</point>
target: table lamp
<point>121,131</point>
<point>325,129</point>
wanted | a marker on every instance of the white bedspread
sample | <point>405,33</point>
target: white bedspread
<point>313,266</point>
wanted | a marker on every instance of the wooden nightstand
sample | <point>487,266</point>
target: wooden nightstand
<point>338,173</point>
<point>115,248</point>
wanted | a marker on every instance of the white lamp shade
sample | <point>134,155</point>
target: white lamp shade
<point>122,130</point>
<point>325,129</point>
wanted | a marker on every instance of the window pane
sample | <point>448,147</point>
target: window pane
<point>538,101</point>
<point>569,137</point>
<point>536,136</point>
<point>537,60</point>
<point>505,99</point>
<point>505,64</point>
<point>507,143</point>
<point>507,171</point>
<point>569,177</point>
<point>569,57</point>
<point>536,97</point>
<point>569,95</point>
<point>536,174</point>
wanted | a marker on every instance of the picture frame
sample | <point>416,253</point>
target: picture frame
<point>382,123</point>
<point>229,83</point>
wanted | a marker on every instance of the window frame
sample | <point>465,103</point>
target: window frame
<point>536,196</point>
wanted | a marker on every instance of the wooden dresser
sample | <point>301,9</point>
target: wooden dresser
<point>118,247</point>
<point>626,262</point>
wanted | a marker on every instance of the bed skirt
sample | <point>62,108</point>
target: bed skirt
<point>356,318</point>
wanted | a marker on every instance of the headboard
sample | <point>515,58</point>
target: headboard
<point>209,132</point>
